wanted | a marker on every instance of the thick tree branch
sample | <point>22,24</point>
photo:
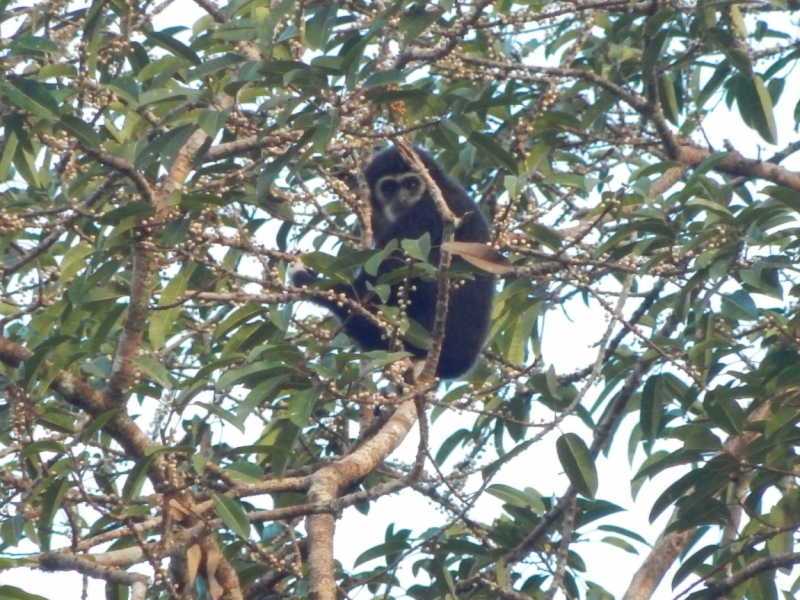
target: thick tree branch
<point>326,484</point>
<point>144,266</point>
<point>720,590</point>
<point>64,562</point>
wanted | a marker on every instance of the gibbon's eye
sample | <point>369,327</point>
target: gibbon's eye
<point>389,188</point>
<point>412,184</point>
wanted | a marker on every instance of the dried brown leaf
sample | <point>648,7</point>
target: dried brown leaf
<point>177,511</point>
<point>193,556</point>
<point>215,589</point>
<point>482,256</point>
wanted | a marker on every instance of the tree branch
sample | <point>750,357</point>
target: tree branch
<point>326,484</point>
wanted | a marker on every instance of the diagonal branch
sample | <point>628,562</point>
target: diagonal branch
<point>449,223</point>
<point>326,484</point>
<point>81,395</point>
<point>143,268</point>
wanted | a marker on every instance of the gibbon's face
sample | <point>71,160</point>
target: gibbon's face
<point>397,193</point>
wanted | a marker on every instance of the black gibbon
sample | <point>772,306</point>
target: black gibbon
<point>403,208</point>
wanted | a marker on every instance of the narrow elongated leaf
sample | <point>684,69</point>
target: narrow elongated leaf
<point>319,27</point>
<point>43,446</point>
<point>484,143</point>
<point>578,464</point>
<point>482,256</point>
<point>51,502</point>
<point>392,547</point>
<point>765,116</point>
<point>653,399</point>
<point>82,131</point>
<point>155,371</point>
<point>668,98</point>
<point>176,47</point>
<point>136,478</point>
<point>31,96</point>
<point>32,42</point>
<point>162,321</point>
<point>301,405</point>
<point>9,592</point>
<point>232,514</point>
<point>692,563</point>
<point>524,499</point>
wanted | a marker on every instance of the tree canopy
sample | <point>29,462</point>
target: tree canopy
<point>176,422</point>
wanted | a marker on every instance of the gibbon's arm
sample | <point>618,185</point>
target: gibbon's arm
<point>363,330</point>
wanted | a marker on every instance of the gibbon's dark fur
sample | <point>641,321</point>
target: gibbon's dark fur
<point>403,209</point>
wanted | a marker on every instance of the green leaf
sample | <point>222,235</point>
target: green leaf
<point>485,144</point>
<point>165,147</point>
<point>81,130</point>
<point>97,423</point>
<point>301,406</point>
<point>43,446</point>
<point>782,416</point>
<point>199,463</point>
<point>755,106</point>
<point>762,586</point>
<point>73,262</point>
<point>213,67</point>
<point>418,249</point>
<point>578,463</point>
<point>232,514</point>
<point>417,335</point>
<point>547,236</point>
<point>626,532</point>
<point>57,70</point>
<point>391,77</point>
<point>9,592</point>
<point>171,44</point>
<point>136,478</point>
<point>239,375</point>
<point>653,52</point>
<point>451,443</point>
<point>654,398</point>
<point>521,335</point>
<point>155,371</point>
<point>784,195</point>
<point>141,210</point>
<point>739,305</point>
<point>237,317</point>
<point>389,548</point>
<point>764,117</point>
<point>162,321</point>
<point>51,502</point>
<point>724,412</point>
<point>31,42</point>
<point>416,20</point>
<point>319,27</point>
<point>31,96</point>
<point>620,543</point>
<point>668,98</point>
<point>691,564</point>
<point>374,262</point>
<point>12,530</point>
<point>528,498</point>
<point>326,127</point>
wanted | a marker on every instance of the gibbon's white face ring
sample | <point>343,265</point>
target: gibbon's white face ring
<point>398,193</point>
